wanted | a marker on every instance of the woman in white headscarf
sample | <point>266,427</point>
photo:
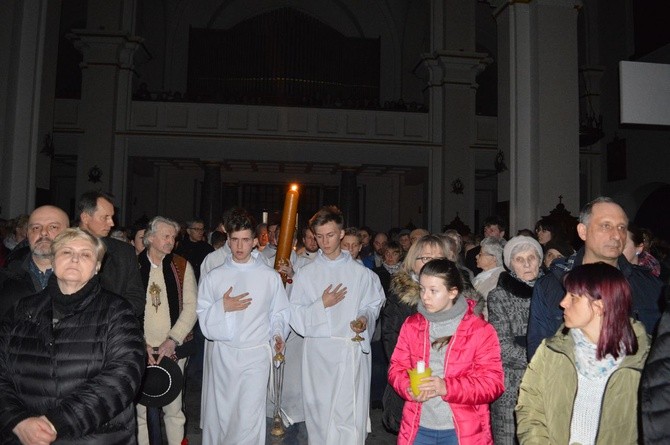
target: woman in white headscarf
<point>509,305</point>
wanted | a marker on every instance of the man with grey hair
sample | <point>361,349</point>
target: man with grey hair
<point>119,272</point>
<point>415,234</point>
<point>29,274</point>
<point>170,295</point>
<point>603,227</point>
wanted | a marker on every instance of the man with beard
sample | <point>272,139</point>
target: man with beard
<point>603,227</point>
<point>378,246</point>
<point>29,274</point>
<point>310,246</point>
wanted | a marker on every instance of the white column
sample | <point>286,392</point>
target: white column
<point>538,107</point>
<point>453,66</point>
<point>107,47</point>
<point>27,82</point>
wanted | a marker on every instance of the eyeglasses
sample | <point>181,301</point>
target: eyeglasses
<point>197,229</point>
<point>425,259</point>
<point>484,253</point>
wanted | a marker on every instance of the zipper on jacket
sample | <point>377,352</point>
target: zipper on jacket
<point>602,399</point>
<point>426,334</point>
<point>446,359</point>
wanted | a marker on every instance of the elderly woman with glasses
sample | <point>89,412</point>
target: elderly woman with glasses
<point>71,356</point>
<point>490,260</point>
<point>509,305</point>
<point>401,302</point>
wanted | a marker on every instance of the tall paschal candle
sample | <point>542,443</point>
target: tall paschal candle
<point>288,220</point>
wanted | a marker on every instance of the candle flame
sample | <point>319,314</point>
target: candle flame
<point>294,187</point>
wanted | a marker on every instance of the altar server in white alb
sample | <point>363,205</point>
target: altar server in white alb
<point>244,312</point>
<point>334,298</point>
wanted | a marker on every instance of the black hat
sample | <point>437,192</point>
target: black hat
<point>561,246</point>
<point>161,384</point>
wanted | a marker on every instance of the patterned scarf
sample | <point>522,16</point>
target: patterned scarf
<point>585,358</point>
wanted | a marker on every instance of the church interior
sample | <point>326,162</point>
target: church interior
<point>405,113</point>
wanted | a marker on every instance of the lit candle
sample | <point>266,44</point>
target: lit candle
<point>265,217</point>
<point>420,367</point>
<point>288,220</point>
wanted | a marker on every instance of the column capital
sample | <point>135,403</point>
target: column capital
<point>105,47</point>
<point>501,5</point>
<point>455,67</point>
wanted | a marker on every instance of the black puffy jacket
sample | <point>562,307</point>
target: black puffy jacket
<point>655,385</point>
<point>82,372</point>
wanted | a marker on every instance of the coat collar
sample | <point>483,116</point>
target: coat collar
<point>563,343</point>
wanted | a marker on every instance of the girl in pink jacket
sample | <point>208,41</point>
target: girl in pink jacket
<point>463,353</point>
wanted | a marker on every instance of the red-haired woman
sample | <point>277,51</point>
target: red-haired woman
<point>581,385</point>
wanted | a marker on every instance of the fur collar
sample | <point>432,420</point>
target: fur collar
<point>407,290</point>
<point>513,286</point>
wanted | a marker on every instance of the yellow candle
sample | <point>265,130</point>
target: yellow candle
<point>288,222</point>
<point>415,378</point>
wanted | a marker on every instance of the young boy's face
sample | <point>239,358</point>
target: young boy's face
<point>351,244</point>
<point>328,238</point>
<point>241,244</point>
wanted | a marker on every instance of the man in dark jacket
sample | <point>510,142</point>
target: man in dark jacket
<point>29,272</point>
<point>193,246</point>
<point>120,271</point>
<point>603,227</point>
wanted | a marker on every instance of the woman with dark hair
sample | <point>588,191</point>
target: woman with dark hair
<point>401,301</point>
<point>547,230</point>
<point>635,252</point>
<point>461,349</point>
<point>582,383</point>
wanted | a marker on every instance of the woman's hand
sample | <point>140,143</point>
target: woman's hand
<point>35,431</point>
<point>429,388</point>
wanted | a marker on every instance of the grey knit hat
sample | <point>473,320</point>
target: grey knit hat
<point>519,244</point>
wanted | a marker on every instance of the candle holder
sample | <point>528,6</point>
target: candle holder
<point>278,429</point>
<point>357,326</point>
<point>417,374</point>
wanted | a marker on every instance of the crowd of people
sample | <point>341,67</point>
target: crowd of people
<point>520,340</point>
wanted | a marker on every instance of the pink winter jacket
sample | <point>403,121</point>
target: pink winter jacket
<point>474,375</point>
